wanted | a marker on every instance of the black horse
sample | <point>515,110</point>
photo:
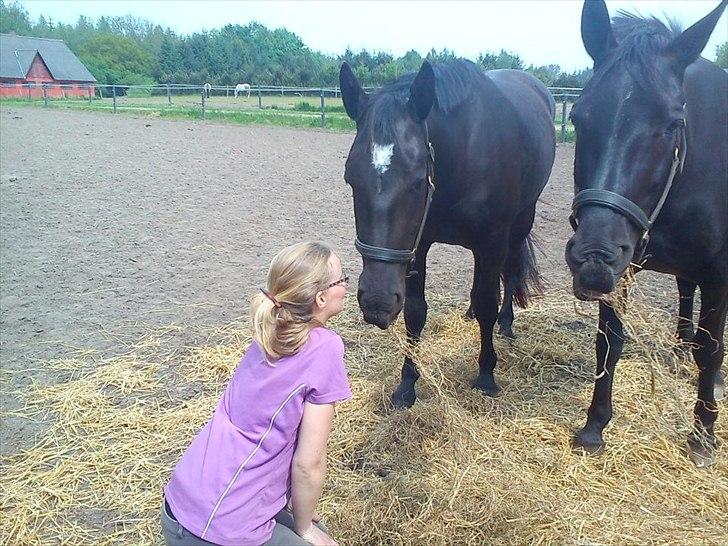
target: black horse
<point>479,147</point>
<point>651,183</point>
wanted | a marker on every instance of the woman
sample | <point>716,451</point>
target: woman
<point>254,473</point>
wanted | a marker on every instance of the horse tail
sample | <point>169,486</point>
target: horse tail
<point>522,273</point>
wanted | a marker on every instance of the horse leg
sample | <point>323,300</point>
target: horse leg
<point>470,313</point>
<point>519,272</point>
<point>415,315</point>
<point>486,311</point>
<point>708,353</point>
<point>609,343</point>
<point>685,330</point>
<point>686,289</point>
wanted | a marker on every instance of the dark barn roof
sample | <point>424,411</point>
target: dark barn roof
<point>61,62</point>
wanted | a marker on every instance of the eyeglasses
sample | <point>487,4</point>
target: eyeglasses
<point>342,280</point>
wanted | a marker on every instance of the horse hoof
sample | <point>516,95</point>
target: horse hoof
<point>702,455</point>
<point>404,398</point>
<point>487,385</point>
<point>591,443</point>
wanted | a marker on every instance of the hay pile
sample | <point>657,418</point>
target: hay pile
<point>458,468</point>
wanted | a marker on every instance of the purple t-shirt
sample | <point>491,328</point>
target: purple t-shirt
<point>235,475</point>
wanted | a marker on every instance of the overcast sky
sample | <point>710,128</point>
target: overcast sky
<point>540,31</point>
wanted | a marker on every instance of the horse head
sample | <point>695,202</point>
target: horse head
<point>389,169</point>
<point>630,122</point>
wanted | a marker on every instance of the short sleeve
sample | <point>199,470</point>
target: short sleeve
<point>328,382</point>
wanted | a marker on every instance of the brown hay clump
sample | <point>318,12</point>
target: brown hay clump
<point>457,468</point>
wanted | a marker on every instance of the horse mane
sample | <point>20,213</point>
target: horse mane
<point>455,82</point>
<point>639,40</point>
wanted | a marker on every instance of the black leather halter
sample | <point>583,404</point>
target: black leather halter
<point>392,255</point>
<point>605,198</point>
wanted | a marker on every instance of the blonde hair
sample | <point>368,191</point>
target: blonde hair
<point>283,314</point>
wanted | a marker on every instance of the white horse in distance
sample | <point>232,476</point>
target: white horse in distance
<point>242,88</point>
<point>207,88</point>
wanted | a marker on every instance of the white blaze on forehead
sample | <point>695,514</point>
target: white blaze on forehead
<point>382,156</point>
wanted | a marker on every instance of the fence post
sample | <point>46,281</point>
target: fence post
<point>113,90</point>
<point>323,114</point>
<point>45,95</point>
<point>260,100</point>
<point>563,120</point>
<point>89,94</point>
<point>30,92</point>
<point>169,95</point>
<point>203,103</point>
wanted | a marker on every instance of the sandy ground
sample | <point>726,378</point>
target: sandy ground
<point>112,224</point>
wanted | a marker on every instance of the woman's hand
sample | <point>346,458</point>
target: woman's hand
<point>314,535</point>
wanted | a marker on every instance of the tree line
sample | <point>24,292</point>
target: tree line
<point>128,51</point>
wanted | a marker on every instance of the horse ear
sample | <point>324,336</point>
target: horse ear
<point>422,92</point>
<point>686,48</point>
<point>352,94</point>
<point>596,30</point>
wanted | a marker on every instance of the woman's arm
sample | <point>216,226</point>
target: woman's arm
<point>309,463</point>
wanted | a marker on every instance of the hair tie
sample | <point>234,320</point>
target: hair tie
<point>272,298</point>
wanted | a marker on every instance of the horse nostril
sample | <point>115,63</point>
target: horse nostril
<point>398,299</point>
<point>578,257</point>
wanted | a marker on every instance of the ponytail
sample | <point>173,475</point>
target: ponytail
<point>282,314</point>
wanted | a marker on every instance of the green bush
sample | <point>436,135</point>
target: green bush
<point>304,106</point>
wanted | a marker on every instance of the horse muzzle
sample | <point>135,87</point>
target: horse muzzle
<point>593,280</point>
<point>379,309</point>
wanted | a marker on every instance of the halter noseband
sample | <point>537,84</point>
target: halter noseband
<point>392,255</point>
<point>604,198</point>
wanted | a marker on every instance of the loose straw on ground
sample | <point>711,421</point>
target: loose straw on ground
<point>457,468</point>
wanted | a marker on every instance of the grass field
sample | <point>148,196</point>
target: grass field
<point>281,110</point>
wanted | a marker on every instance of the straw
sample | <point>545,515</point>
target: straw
<point>456,468</point>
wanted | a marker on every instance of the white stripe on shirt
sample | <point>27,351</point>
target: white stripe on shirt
<point>245,462</point>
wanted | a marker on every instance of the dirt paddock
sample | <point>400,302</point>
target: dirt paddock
<point>112,225</point>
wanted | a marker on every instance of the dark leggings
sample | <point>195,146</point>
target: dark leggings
<point>283,534</point>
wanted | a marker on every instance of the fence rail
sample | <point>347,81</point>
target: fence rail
<point>197,97</point>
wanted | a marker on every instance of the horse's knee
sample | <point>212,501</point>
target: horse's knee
<point>415,314</point>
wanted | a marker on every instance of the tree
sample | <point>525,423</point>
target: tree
<point>117,59</point>
<point>14,19</point>
<point>721,55</point>
<point>440,56</point>
<point>410,62</point>
<point>548,74</point>
<point>506,59</point>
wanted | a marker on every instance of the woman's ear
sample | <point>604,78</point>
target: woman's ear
<point>320,299</point>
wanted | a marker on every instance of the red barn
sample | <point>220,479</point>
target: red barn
<point>26,60</point>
